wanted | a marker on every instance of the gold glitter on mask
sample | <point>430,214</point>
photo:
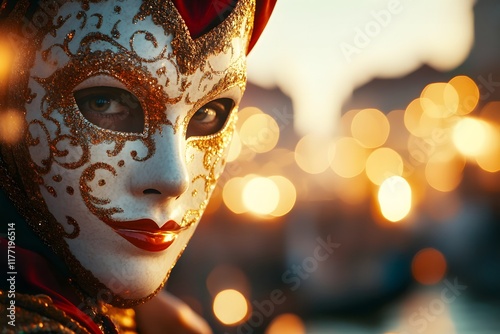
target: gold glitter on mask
<point>62,129</point>
<point>191,55</point>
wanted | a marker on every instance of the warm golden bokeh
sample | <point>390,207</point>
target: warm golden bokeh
<point>313,154</point>
<point>261,195</point>
<point>349,157</point>
<point>444,172</point>
<point>395,198</point>
<point>490,113</point>
<point>246,113</point>
<point>370,127</point>
<point>260,133</point>
<point>428,266</point>
<point>231,194</point>
<point>288,195</point>
<point>470,136</point>
<point>418,122</point>
<point>234,148</point>
<point>5,59</point>
<point>439,100</point>
<point>468,94</point>
<point>346,121</point>
<point>407,153</point>
<point>489,158</point>
<point>286,323</point>
<point>11,126</point>
<point>230,307</point>
<point>382,164</point>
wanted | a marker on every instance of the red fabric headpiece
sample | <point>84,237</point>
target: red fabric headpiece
<point>201,16</point>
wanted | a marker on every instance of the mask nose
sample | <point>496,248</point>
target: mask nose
<point>164,174</point>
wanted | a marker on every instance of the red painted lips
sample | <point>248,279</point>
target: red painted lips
<point>145,233</point>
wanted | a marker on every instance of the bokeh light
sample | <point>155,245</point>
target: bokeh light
<point>439,100</point>
<point>261,195</point>
<point>231,194</point>
<point>444,172</point>
<point>245,114</point>
<point>395,198</point>
<point>11,125</point>
<point>230,307</point>
<point>489,158</point>
<point>313,154</point>
<point>382,164</point>
<point>5,59</point>
<point>349,157</point>
<point>428,266</point>
<point>370,127</point>
<point>346,121</point>
<point>418,122</point>
<point>260,133</point>
<point>469,136</point>
<point>286,323</point>
<point>490,113</point>
<point>468,93</point>
<point>234,148</point>
<point>287,198</point>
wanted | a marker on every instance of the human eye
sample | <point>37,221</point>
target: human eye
<point>210,118</point>
<point>111,108</point>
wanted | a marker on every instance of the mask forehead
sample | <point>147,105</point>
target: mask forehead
<point>145,48</point>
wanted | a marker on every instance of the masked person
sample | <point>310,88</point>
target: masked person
<point>124,110</point>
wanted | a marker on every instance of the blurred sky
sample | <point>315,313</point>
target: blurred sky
<point>319,52</point>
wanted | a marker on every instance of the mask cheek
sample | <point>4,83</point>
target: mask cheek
<point>206,158</point>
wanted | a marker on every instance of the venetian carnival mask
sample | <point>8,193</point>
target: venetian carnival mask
<point>127,123</point>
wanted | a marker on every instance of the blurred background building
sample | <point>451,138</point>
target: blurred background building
<point>362,191</point>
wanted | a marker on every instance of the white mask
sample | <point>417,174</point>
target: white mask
<point>128,121</point>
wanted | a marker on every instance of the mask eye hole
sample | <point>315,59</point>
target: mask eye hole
<point>210,118</point>
<point>111,108</point>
